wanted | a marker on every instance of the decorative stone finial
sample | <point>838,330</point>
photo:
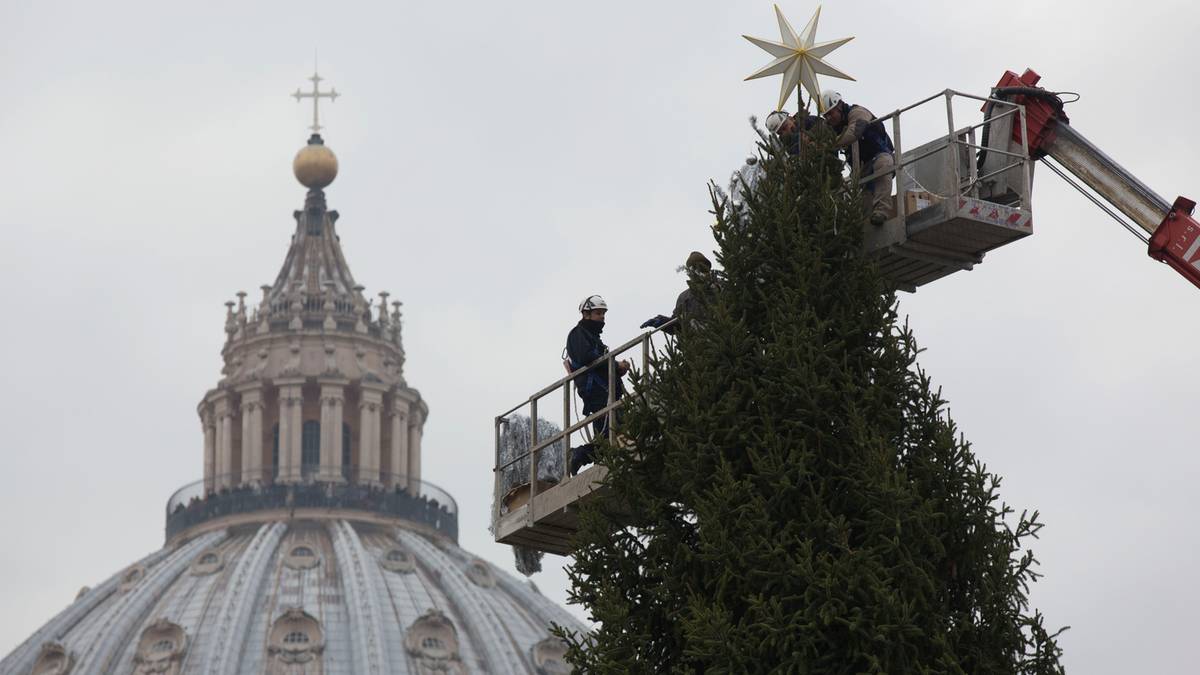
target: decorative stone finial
<point>396,326</point>
<point>383,316</point>
<point>296,306</point>
<point>264,310</point>
<point>362,314</point>
<point>328,306</point>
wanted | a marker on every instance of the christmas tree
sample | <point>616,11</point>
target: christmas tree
<point>790,493</point>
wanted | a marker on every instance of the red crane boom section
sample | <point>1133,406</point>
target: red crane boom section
<point>1176,238</point>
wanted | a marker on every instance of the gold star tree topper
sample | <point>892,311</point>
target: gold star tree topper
<point>798,59</point>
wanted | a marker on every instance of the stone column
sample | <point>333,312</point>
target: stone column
<point>415,424</point>
<point>333,401</point>
<point>224,445</point>
<point>369,432</point>
<point>290,427</point>
<point>252,435</point>
<point>208,423</point>
<point>399,448</point>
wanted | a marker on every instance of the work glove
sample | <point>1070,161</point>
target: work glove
<point>655,322</point>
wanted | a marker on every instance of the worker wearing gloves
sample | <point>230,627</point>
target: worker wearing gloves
<point>856,124</point>
<point>584,346</point>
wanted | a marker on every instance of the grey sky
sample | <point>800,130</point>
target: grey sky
<point>499,161</point>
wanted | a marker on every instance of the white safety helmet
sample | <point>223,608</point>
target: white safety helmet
<point>592,302</point>
<point>829,99</point>
<point>776,120</point>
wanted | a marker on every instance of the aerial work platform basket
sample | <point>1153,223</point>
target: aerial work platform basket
<point>957,197</point>
<point>536,500</point>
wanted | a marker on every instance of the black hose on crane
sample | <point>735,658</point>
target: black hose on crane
<point>1007,93</point>
<point>1050,97</point>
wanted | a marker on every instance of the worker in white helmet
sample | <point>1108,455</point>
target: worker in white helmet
<point>792,130</point>
<point>584,347</point>
<point>855,124</point>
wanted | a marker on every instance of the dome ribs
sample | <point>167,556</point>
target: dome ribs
<point>363,588</point>
<point>233,617</point>
<point>122,623</point>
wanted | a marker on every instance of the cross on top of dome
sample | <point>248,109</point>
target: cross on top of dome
<point>316,95</point>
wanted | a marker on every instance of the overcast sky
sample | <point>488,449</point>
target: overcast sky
<point>500,161</point>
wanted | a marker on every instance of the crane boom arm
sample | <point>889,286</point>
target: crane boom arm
<point>1175,235</point>
<point>1110,180</point>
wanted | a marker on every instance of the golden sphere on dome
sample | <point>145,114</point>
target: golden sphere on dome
<point>315,165</point>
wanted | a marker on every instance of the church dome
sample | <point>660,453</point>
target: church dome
<point>312,545</point>
<point>322,595</point>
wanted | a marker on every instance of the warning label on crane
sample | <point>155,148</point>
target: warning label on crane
<point>996,214</point>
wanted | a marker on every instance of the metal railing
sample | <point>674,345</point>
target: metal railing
<point>536,444</point>
<point>326,487</point>
<point>956,144</point>
<point>304,474</point>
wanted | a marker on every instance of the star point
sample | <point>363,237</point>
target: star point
<point>798,58</point>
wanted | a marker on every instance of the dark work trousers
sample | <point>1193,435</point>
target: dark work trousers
<point>586,453</point>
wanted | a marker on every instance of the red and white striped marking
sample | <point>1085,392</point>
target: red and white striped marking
<point>978,209</point>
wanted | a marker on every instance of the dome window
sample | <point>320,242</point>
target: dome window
<point>131,577</point>
<point>301,557</point>
<point>160,649</point>
<point>480,574</point>
<point>347,438</point>
<point>294,644</point>
<point>432,641</point>
<point>550,657</point>
<point>53,659</point>
<point>310,447</point>
<point>398,560</point>
<point>208,563</point>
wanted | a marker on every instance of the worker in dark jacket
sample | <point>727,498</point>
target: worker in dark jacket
<point>855,124</point>
<point>793,130</point>
<point>584,347</point>
<point>687,306</point>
